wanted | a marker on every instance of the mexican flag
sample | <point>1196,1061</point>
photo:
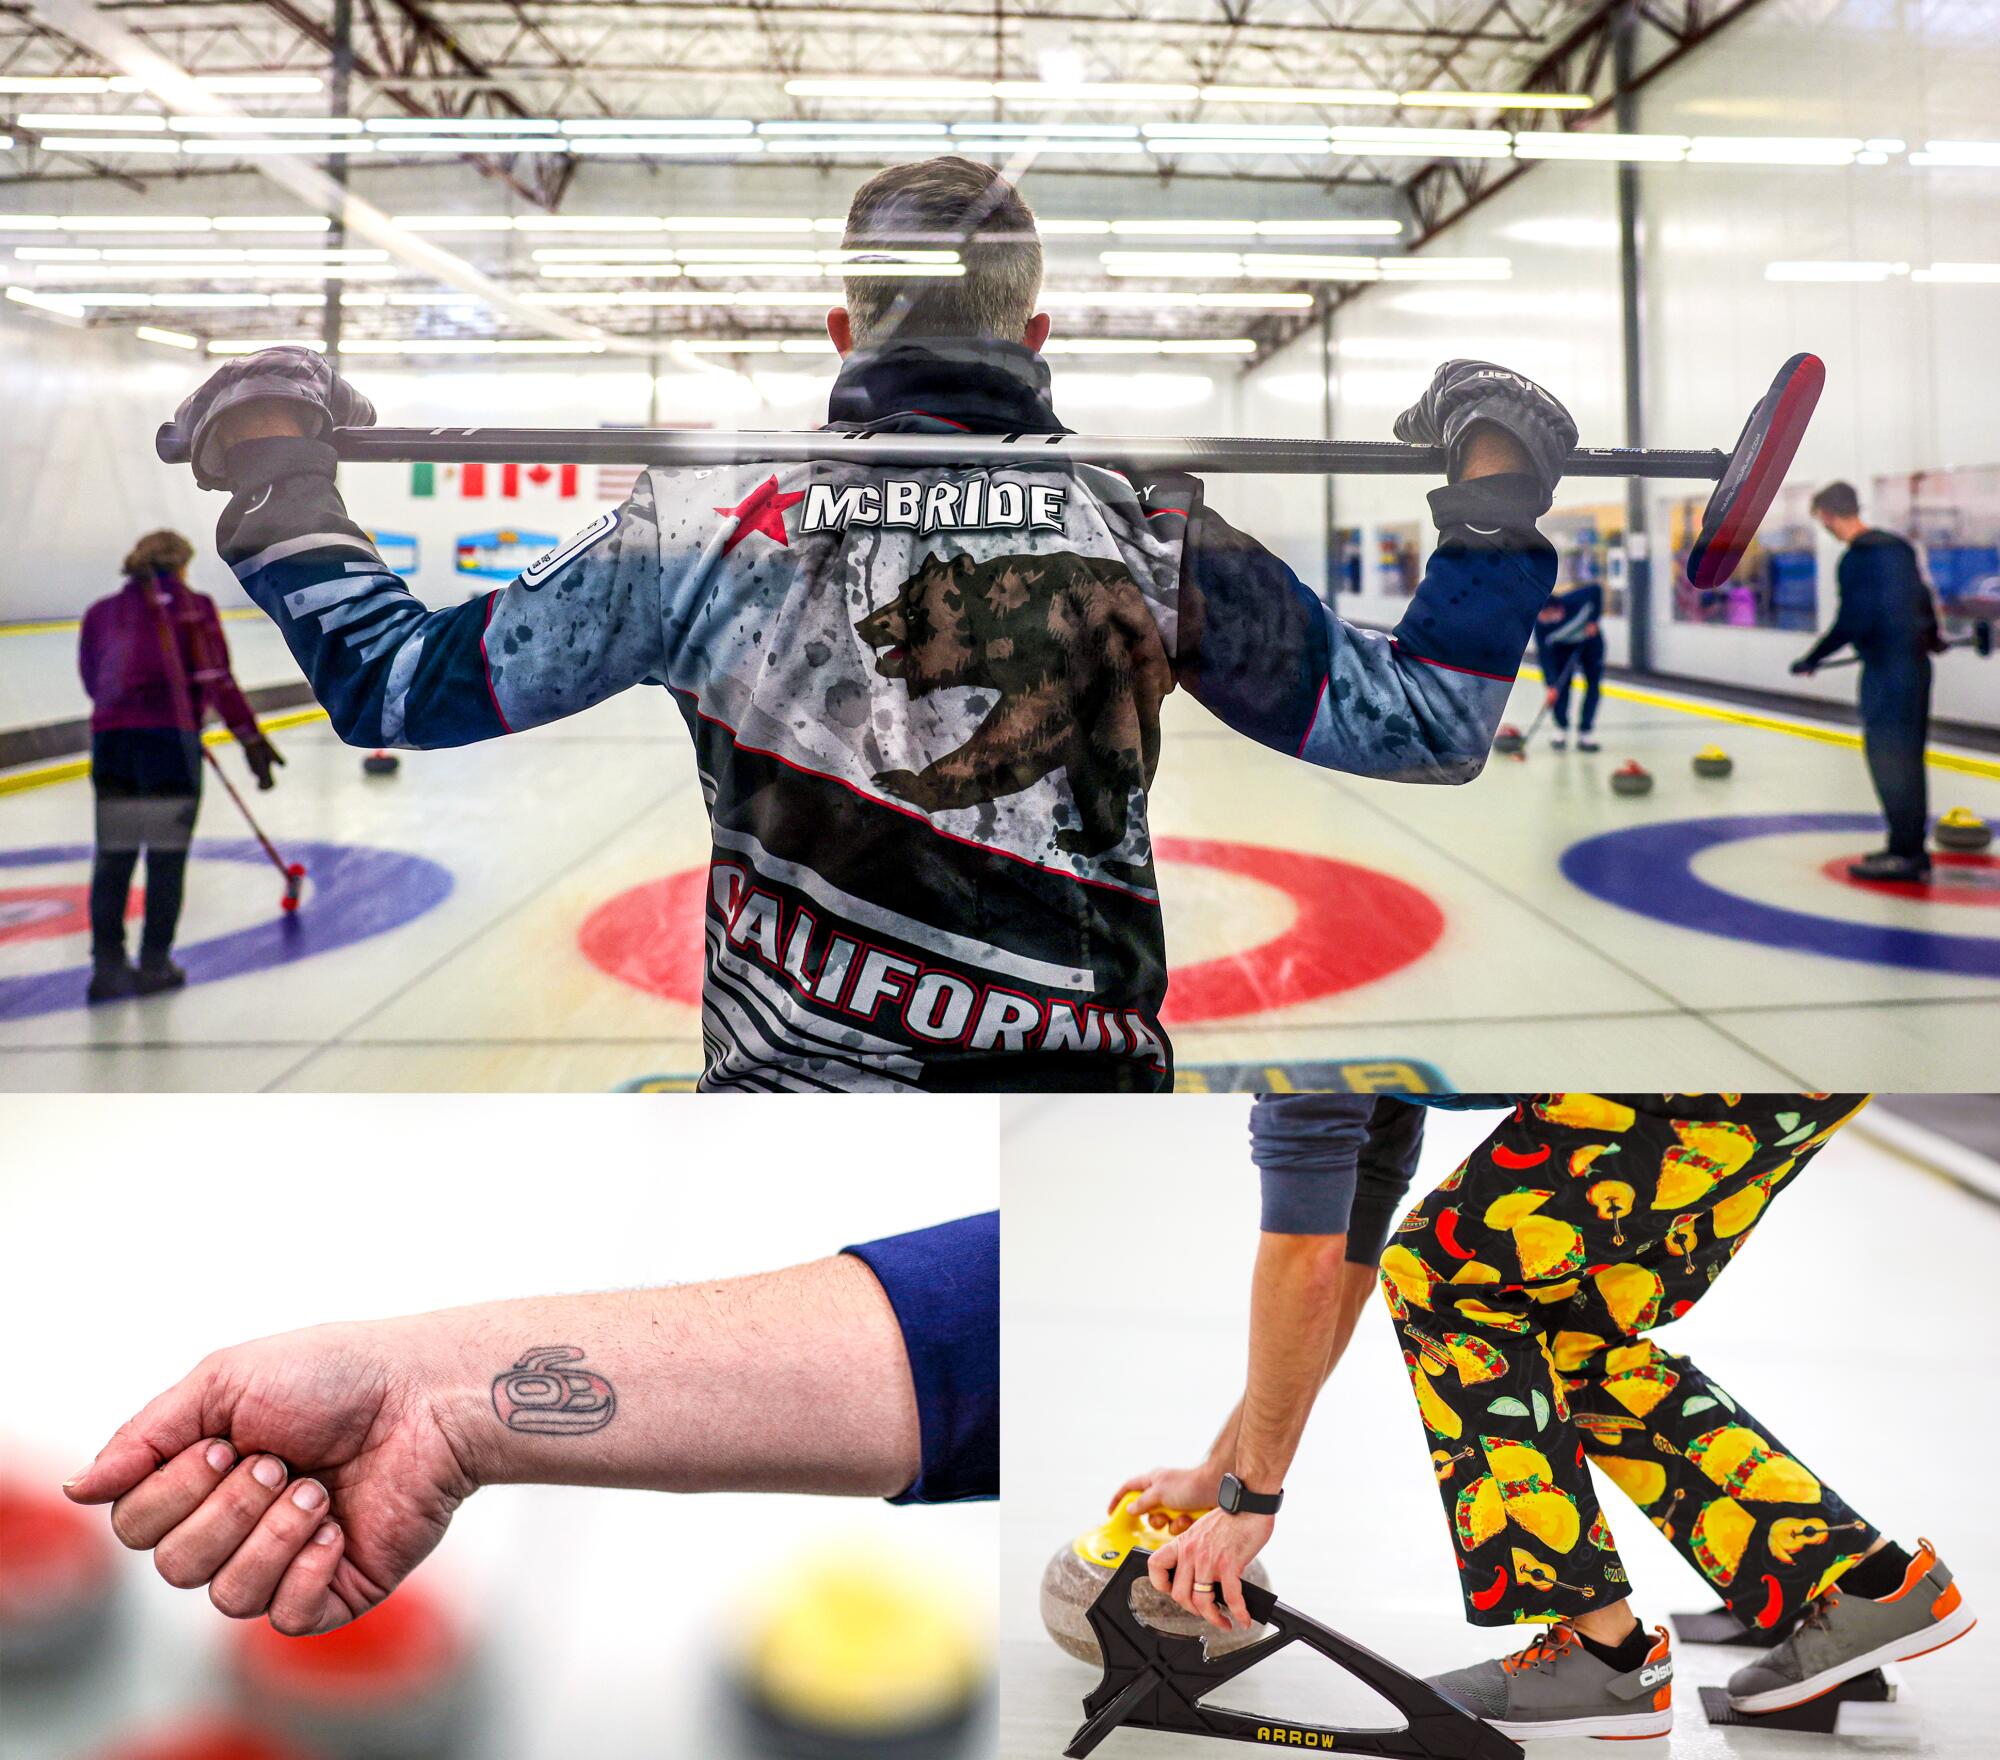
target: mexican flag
<point>471,480</point>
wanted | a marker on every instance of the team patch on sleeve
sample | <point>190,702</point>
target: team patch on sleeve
<point>595,533</point>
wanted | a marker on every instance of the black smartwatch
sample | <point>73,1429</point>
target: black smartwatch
<point>1233,1500</point>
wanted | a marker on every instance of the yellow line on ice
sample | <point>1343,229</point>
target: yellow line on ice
<point>1832,736</point>
<point>70,769</point>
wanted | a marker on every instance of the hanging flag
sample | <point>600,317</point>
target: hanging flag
<point>510,480</point>
<point>423,479</point>
<point>472,481</point>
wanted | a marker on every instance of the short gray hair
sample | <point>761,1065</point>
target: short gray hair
<point>947,203</point>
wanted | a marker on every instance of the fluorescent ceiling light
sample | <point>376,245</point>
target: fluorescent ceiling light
<point>1055,140</point>
<point>662,146</point>
<point>599,271</point>
<point>1498,100</point>
<point>1235,131</point>
<point>1329,228</point>
<point>893,271</point>
<point>1833,271</point>
<point>1627,148</point>
<point>1216,265</point>
<point>704,345</point>
<point>28,223</point>
<point>847,144</point>
<point>43,302</point>
<point>1256,302</point>
<point>169,338</point>
<point>1325,95</point>
<point>133,223</point>
<point>466,125</point>
<point>131,296</point>
<point>469,144</point>
<point>1871,158</point>
<point>266,124</point>
<point>1226,345</point>
<point>683,125</point>
<point>240,147</point>
<point>1072,228</point>
<point>112,143</point>
<point>80,84</point>
<point>1885,144</point>
<point>1040,91</point>
<point>1287,267</point>
<point>1743,149</point>
<point>819,128</point>
<point>1092,130</point>
<point>216,272</point>
<point>1964,273</point>
<point>56,121</point>
<point>738,254</point>
<point>1233,148</point>
<point>585,254</point>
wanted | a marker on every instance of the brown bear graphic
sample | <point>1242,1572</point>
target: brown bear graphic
<point>1071,647</point>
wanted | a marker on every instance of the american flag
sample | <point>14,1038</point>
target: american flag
<point>615,482</point>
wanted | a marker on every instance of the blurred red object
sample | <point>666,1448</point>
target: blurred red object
<point>394,1684</point>
<point>56,1578</point>
<point>206,1738</point>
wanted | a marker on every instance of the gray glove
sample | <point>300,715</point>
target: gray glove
<point>1464,392</point>
<point>320,398</point>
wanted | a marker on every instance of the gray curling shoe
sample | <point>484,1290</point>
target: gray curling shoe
<point>1556,1687</point>
<point>1840,1636</point>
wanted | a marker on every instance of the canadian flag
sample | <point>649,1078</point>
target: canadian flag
<point>561,478</point>
<point>471,481</point>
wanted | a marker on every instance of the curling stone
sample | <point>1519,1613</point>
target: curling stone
<point>57,1581</point>
<point>1631,777</point>
<point>1081,1569</point>
<point>854,1656</point>
<point>1508,740</point>
<point>1962,829</point>
<point>397,1684</point>
<point>381,764</point>
<point>1713,761</point>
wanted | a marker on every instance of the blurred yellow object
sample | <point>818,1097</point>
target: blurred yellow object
<point>864,1645</point>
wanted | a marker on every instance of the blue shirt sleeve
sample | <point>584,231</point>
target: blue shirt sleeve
<point>1335,1164</point>
<point>944,1284</point>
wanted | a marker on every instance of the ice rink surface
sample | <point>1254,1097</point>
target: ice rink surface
<point>1852,1326</point>
<point>602,1621</point>
<point>492,917</point>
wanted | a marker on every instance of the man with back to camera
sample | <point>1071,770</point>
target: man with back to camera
<point>1887,616</point>
<point>924,702</point>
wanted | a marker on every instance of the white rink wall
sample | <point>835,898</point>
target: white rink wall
<point>1910,366</point>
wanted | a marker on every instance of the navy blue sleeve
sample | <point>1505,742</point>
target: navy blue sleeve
<point>1261,651</point>
<point>1848,623</point>
<point>1306,1147</point>
<point>944,1284</point>
<point>1335,1164</point>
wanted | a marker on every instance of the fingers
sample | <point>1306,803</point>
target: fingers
<point>157,1433</point>
<point>304,1601</point>
<point>161,1501</point>
<point>202,1543</point>
<point>246,1582</point>
<point>1232,1598</point>
<point>1137,1482</point>
<point>1160,1568</point>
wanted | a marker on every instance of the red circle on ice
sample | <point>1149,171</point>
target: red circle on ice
<point>1350,926</point>
<point>1957,877</point>
<point>30,913</point>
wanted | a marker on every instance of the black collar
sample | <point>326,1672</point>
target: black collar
<point>984,387</point>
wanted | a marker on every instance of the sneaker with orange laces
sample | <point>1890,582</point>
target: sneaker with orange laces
<point>1556,1687</point>
<point>1842,1634</point>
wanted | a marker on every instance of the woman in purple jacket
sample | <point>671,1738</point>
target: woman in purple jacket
<point>154,662</point>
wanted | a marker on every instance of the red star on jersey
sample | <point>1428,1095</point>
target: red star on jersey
<point>762,510</point>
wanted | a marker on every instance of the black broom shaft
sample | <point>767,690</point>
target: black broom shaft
<point>697,446</point>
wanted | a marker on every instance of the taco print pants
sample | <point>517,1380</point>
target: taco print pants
<point>1523,1291</point>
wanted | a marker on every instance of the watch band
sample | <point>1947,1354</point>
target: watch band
<point>1233,1498</point>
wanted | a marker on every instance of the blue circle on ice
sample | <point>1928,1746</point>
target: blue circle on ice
<point>353,893</point>
<point>1650,869</point>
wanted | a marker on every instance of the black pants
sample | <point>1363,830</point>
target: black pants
<point>1895,723</point>
<point>1585,658</point>
<point>148,783</point>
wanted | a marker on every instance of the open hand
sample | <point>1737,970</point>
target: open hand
<point>301,1477</point>
<point>1213,1554</point>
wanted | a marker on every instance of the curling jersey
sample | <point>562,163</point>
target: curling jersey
<point>924,705</point>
